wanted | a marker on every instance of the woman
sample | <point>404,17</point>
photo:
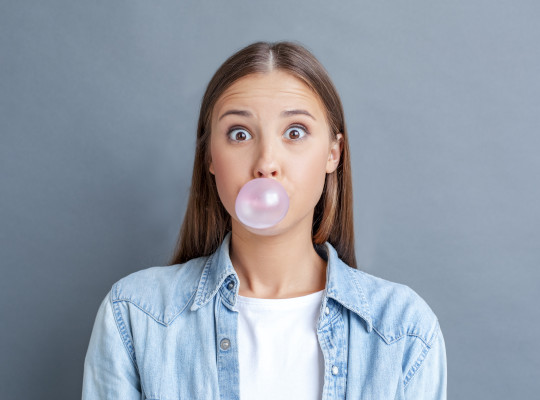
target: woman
<point>266,313</point>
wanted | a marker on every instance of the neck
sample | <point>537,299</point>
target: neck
<point>280,266</point>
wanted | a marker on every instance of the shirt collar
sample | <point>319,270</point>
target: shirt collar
<point>342,281</point>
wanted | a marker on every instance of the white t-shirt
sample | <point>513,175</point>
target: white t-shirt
<point>278,349</point>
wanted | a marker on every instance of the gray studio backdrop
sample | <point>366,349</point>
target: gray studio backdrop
<point>98,109</point>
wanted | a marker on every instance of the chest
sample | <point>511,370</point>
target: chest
<point>205,353</point>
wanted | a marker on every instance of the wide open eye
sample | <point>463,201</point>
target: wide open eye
<point>297,132</point>
<point>238,135</point>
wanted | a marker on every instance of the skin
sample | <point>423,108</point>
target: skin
<point>277,262</point>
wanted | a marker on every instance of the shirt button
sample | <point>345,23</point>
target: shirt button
<point>230,285</point>
<point>327,310</point>
<point>225,344</point>
<point>335,370</point>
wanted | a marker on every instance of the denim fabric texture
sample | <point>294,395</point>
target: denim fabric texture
<point>170,333</point>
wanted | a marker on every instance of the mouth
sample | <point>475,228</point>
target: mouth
<point>262,203</point>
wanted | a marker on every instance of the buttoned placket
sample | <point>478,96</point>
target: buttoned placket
<point>333,341</point>
<point>226,340</point>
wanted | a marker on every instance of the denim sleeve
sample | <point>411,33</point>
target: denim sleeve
<point>109,371</point>
<point>428,380</point>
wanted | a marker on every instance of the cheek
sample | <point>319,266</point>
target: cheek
<point>309,178</point>
<point>226,176</point>
<point>316,186</point>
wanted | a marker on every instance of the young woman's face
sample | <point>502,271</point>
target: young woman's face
<point>272,125</point>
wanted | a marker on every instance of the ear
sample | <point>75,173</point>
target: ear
<point>211,168</point>
<point>335,154</point>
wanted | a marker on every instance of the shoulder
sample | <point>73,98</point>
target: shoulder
<point>162,292</point>
<point>396,310</point>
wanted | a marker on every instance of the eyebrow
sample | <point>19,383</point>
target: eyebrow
<point>286,113</point>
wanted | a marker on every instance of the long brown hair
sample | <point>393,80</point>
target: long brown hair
<point>206,221</point>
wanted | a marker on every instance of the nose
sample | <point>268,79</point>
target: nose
<point>266,163</point>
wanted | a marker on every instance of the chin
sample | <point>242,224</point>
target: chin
<point>280,228</point>
<point>272,231</point>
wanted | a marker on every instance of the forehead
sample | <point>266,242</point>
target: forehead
<point>278,87</point>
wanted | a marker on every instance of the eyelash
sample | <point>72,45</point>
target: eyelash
<point>234,128</point>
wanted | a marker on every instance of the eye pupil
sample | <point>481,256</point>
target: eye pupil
<point>241,134</point>
<point>295,134</point>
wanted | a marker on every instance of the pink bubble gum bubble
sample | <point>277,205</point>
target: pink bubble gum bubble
<point>262,203</point>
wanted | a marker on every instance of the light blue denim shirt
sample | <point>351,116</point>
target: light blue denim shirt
<point>170,333</point>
